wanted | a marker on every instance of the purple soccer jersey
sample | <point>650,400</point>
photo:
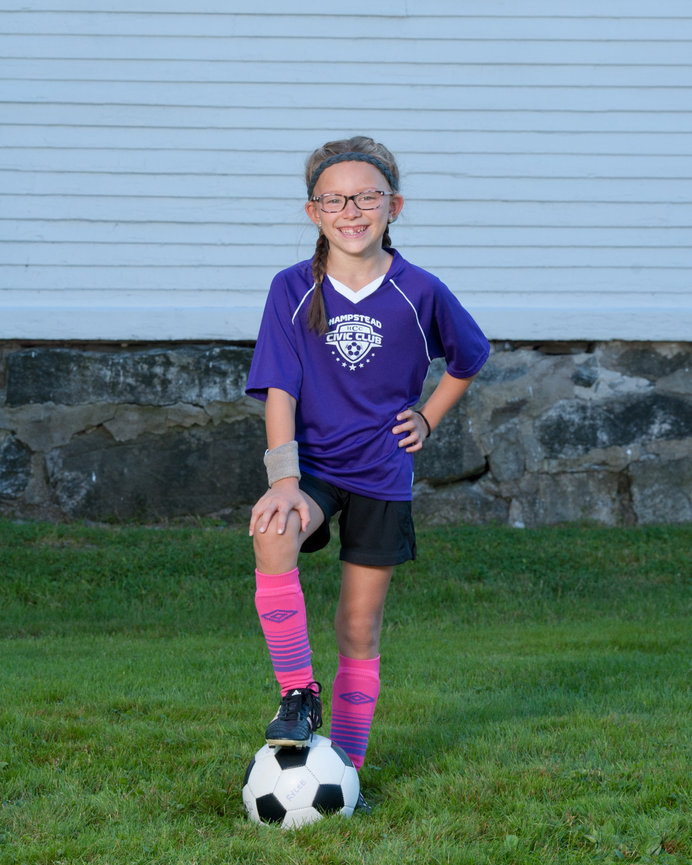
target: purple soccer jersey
<point>350,383</point>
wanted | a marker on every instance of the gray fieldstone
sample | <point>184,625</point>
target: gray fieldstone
<point>153,477</point>
<point>507,459</point>
<point>642,360</point>
<point>551,499</point>
<point>47,426</point>
<point>464,502</point>
<point>575,427</point>
<point>662,491</point>
<point>157,376</point>
<point>451,454</point>
<point>15,466</point>
<point>547,433</point>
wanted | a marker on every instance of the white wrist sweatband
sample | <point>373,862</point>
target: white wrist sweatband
<point>282,462</point>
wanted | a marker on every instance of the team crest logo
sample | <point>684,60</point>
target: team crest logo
<point>353,341</point>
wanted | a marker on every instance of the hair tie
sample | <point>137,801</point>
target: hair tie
<point>425,421</point>
<point>351,156</point>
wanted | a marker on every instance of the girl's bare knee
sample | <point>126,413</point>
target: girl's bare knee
<point>276,553</point>
<point>358,637</point>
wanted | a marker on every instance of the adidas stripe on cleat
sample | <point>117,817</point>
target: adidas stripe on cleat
<point>299,715</point>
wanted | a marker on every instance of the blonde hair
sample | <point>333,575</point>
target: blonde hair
<point>356,149</point>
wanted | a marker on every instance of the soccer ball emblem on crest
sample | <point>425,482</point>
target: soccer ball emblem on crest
<point>291,787</point>
<point>354,340</point>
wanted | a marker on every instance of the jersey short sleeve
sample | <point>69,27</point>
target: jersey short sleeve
<point>276,362</point>
<point>456,335</point>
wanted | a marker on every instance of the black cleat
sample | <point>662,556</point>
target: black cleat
<point>299,715</point>
<point>362,806</point>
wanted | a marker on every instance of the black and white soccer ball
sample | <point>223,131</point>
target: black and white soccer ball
<point>295,786</point>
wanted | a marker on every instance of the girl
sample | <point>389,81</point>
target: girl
<point>342,353</point>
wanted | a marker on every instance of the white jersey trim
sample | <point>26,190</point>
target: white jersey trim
<point>302,301</point>
<point>415,312</point>
<point>356,296</point>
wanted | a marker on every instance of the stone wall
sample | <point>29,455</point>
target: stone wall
<point>548,433</point>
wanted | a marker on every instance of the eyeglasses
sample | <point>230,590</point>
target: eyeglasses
<point>332,202</point>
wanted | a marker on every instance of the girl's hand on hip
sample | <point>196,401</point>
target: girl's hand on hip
<point>276,505</point>
<point>413,424</point>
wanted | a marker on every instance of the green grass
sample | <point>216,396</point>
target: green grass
<point>535,703</point>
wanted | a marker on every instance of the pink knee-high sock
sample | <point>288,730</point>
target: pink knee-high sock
<point>281,608</point>
<point>354,696</point>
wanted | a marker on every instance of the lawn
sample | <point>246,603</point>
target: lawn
<point>535,703</point>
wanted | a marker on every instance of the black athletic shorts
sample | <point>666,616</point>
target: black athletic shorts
<point>372,532</point>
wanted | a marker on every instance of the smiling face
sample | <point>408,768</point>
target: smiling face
<point>353,232</point>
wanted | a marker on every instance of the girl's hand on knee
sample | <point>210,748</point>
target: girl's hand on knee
<point>414,425</point>
<point>276,504</point>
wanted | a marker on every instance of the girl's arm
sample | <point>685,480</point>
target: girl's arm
<point>446,394</point>
<point>279,417</point>
<point>284,495</point>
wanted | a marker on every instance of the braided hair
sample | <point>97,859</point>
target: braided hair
<point>357,149</point>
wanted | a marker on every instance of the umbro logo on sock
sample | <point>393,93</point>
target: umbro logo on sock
<point>279,616</point>
<point>357,698</point>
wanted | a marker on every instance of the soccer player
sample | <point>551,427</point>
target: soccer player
<point>343,349</point>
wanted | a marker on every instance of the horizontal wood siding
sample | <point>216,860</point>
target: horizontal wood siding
<point>151,162</point>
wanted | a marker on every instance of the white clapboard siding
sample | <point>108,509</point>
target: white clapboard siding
<point>151,158</point>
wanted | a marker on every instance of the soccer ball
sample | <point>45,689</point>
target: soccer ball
<point>295,786</point>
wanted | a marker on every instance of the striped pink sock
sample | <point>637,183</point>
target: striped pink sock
<point>354,697</point>
<point>281,608</point>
